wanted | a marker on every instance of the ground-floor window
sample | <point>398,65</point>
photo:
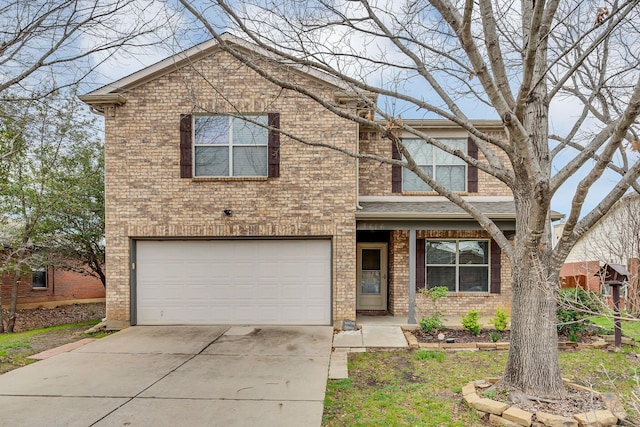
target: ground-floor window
<point>459,265</point>
<point>39,277</point>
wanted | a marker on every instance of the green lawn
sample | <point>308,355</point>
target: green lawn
<point>630,328</point>
<point>14,348</point>
<point>423,388</point>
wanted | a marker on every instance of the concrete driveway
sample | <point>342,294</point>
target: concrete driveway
<point>177,376</point>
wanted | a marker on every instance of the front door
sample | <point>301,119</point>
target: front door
<point>372,276</point>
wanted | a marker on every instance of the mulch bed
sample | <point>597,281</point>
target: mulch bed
<point>35,318</point>
<point>462,336</point>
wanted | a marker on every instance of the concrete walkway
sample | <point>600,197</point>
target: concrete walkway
<point>177,376</point>
<point>377,336</point>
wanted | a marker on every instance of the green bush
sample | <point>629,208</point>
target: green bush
<point>574,306</point>
<point>501,321</point>
<point>431,324</point>
<point>470,322</point>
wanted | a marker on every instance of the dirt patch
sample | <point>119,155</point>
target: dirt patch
<point>35,318</point>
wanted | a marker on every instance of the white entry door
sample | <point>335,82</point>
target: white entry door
<point>266,282</point>
<point>372,276</point>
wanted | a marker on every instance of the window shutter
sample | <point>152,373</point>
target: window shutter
<point>273,162</point>
<point>496,253</point>
<point>472,171</point>
<point>186,170</point>
<point>420,264</point>
<point>396,171</point>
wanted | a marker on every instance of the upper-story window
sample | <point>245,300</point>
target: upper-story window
<point>230,146</point>
<point>447,169</point>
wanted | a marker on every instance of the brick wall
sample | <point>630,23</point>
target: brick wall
<point>62,285</point>
<point>315,194</point>
<point>375,177</point>
<point>452,304</point>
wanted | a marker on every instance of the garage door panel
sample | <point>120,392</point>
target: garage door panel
<point>234,282</point>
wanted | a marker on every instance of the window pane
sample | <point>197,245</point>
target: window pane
<point>474,252</point>
<point>474,279</point>
<point>39,278</point>
<point>444,158</point>
<point>370,282</point>
<point>441,276</point>
<point>411,181</point>
<point>249,161</point>
<point>212,161</point>
<point>371,259</point>
<point>211,129</point>
<point>419,150</point>
<point>250,133</point>
<point>452,177</point>
<point>441,252</point>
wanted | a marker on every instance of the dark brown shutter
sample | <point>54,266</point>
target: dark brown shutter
<point>472,171</point>
<point>420,265</point>
<point>186,170</point>
<point>396,171</point>
<point>496,253</point>
<point>273,162</point>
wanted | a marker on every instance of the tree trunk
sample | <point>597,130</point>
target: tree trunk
<point>533,366</point>
<point>1,312</point>
<point>13,303</point>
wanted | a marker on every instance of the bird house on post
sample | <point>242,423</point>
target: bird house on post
<point>615,275</point>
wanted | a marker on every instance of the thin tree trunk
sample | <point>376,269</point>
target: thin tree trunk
<point>13,303</point>
<point>1,311</point>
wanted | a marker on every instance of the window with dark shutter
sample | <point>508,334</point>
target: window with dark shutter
<point>273,161</point>
<point>472,171</point>
<point>185,146</point>
<point>496,254</point>
<point>396,171</point>
<point>420,264</point>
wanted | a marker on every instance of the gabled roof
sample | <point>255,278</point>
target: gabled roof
<point>199,51</point>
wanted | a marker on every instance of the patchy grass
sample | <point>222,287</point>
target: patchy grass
<point>630,328</point>
<point>15,348</point>
<point>423,387</point>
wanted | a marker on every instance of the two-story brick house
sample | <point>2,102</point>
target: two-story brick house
<point>213,218</point>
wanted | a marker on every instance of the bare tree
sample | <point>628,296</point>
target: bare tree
<point>446,58</point>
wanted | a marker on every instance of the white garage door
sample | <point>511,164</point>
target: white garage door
<point>199,282</point>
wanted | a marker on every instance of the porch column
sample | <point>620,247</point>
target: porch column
<point>412,277</point>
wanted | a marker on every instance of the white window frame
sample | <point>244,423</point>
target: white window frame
<point>434,164</point>
<point>230,146</point>
<point>457,264</point>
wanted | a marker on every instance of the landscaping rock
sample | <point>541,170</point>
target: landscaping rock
<point>596,419</point>
<point>411,340</point>
<point>551,420</point>
<point>496,420</point>
<point>471,398</point>
<point>518,416</point>
<point>482,384</point>
<point>489,405</point>
<point>468,389</point>
<point>613,404</point>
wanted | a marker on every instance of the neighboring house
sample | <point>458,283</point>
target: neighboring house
<point>213,219</point>
<point>615,239</point>
<point>52,285</point>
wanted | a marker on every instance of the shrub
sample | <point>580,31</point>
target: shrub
<point>470,322</point>
<point>501,320</point>
<point>431,324</point>
<point>574,306</point>
<point>494,336</point>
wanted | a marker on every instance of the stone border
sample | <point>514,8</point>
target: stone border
<point>604,342</point>
<point>502,414</point>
